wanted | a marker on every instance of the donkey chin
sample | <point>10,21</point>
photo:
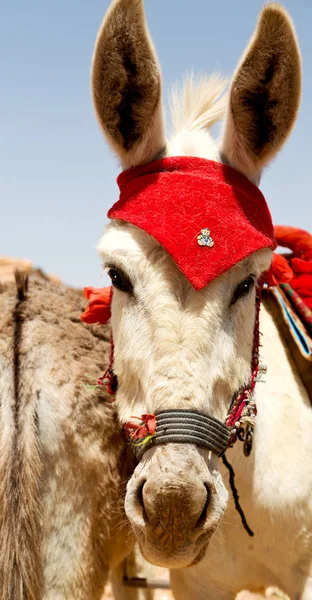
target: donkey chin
<point>174,503</point>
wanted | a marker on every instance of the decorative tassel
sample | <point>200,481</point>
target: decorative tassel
<point>99,307</point>
<point>143,429</point>
<point>109,380</point>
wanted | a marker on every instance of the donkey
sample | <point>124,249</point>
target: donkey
<point>180,348</point>
<point>63,460</point>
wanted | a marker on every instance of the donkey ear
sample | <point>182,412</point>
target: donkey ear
<point>264,96</point>
<point>126,85</point>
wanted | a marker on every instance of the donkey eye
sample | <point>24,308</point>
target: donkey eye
<point>120,280</point>
<point>243,288</point>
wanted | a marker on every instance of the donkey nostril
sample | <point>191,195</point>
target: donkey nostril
<point>202,519</point>
<point>140,494</point>
<point>140,500</point>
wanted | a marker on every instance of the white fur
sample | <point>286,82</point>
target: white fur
<point>199,104</point>
<point>194,109</point>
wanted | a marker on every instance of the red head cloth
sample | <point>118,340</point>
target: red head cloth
<point>205,214</point>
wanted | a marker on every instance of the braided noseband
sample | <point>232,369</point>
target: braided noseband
<point>188,427</point>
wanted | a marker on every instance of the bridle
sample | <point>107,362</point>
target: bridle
<point>195,427</point>
<point>184,426</point>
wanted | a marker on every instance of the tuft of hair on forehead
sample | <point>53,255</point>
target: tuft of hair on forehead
<point>199,103</point>
<point>195,107</point>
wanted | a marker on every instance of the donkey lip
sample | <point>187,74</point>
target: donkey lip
<point>168,560</point>
<point>182,555</point>
<point>179,559</point>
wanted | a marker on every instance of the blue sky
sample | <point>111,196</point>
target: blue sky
<point>57,173</point>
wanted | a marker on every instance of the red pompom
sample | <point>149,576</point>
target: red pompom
<point>146,425</point>
<point>300,242</point>
<point>297,240</point>
<point>280,271</point>
<point>99,307</point>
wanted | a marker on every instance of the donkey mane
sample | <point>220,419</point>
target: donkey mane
<point>199,103</point>
<point>195,106</point>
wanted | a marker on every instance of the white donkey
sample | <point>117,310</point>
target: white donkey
<point>178,348</point>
